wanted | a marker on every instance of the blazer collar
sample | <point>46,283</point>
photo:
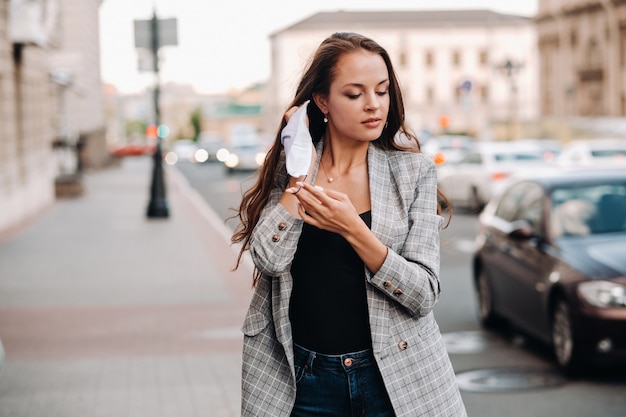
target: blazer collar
<point>380,188</point>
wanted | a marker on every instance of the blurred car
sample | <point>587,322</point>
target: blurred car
<point>550,149</point>
<point>448,148</point>
<point>551,260</point>
<point>215,150</point>
<point>481,172</point>
<point>132,149</point>
<point>594,152</point>
<point>181,150</point>
<point>245,157</point>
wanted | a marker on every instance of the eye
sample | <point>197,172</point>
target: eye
<point>382,93</point>
<point>353,96</point>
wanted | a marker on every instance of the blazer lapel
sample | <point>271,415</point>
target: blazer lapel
<point>381,193</point>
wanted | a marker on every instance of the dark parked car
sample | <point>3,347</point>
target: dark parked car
<point>551,260</point>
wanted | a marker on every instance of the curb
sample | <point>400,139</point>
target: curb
<point>208,214</point>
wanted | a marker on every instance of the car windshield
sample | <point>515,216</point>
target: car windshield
<point>590,209</point>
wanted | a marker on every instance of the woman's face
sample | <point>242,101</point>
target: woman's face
<point>358,101</point>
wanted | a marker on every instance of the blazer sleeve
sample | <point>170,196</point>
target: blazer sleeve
<point>410,273</point>
<point>275,237</point>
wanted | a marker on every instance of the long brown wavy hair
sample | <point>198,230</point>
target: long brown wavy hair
<point>317,80</point>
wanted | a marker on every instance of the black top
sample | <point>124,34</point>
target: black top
<point>328,309</point>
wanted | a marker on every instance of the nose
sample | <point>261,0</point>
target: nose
<point>372,102</point>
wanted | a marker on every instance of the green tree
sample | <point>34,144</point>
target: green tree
<point>135,128</point>
<point>196,122</point>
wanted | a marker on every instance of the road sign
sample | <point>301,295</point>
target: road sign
<point>167,33</point>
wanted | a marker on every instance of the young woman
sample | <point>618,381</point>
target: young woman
<point>347,256</point>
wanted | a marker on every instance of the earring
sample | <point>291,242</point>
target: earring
<point>325,119</point>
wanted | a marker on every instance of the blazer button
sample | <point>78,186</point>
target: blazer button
<point>275,238</point>
<point>282,226</point>
<point>403,344</point>
<point>387,284</point>
<point>397,291</point>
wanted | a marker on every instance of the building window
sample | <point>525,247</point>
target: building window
<point>402,59</point>
<point>430,59</point>
<point>456,58</point>
<point>484,93</point>
<point>430,95</point>
<point>594,56</point>
<point>483,58</point>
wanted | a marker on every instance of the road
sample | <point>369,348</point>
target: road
<point>501,373</point>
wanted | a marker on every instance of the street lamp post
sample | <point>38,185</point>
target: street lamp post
<point>510,70</point>
<point>157,207</point>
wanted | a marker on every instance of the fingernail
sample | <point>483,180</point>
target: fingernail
<point>317,187</point>
<point>291,190</point>
<point>300,184</point>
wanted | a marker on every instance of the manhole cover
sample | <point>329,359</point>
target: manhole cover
<point>508,379</point>
<point>467,342</point>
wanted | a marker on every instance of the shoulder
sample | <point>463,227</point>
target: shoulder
<point>410,164</point>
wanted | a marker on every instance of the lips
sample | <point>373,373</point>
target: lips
<point>371,122</point>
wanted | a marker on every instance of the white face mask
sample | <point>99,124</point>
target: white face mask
<point>298,143</point>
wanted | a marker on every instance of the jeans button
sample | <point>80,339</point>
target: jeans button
<point>347,362</point>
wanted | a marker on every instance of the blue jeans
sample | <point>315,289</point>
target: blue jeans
<point>348,385</point>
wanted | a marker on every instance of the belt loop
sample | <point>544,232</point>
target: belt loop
<point>311,360</point>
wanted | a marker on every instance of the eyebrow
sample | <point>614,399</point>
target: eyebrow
<point>361,85</point>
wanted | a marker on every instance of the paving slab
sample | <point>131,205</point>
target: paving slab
<point>104,312</point>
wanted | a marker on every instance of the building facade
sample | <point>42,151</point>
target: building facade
<point>34,77</point>
<point>582,47</point>
<point>475,68</point>
<point>81,104</point>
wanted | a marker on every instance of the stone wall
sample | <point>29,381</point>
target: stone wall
<point>27,162</point>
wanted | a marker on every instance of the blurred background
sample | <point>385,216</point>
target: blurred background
<point>79,77</point>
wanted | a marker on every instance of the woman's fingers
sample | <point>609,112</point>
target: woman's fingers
<point>294,109</point>
<point>317,193</point>
<point>290,113</point>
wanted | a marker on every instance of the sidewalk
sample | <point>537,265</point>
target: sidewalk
<point>104,312</point>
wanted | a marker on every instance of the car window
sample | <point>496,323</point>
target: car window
<point>591,209</point>
<point>472,158</point>
<point>510,202</point>
<point>503,157</point>
<point>523,201</point>
<point>531,207</point>
<point>608,153</point>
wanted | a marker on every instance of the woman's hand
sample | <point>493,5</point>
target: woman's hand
<point>326,209</point>
<point>291,111</point>
<point>333,211</point>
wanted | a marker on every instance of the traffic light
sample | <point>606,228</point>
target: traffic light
<point>152,131</point>
<point>163,131</point>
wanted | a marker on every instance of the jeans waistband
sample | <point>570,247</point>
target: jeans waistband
<point>344,361</point>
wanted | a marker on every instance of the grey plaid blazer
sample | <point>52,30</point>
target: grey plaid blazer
<point>406,340</point>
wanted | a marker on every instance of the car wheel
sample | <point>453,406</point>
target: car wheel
<point>484,295</point>
<point>474,201</point>
<point>563,336</point>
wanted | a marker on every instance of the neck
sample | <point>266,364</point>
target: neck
<point>342,156</point>
<point>338,160</point>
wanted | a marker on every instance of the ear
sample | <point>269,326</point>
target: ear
<point>320,101</point>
